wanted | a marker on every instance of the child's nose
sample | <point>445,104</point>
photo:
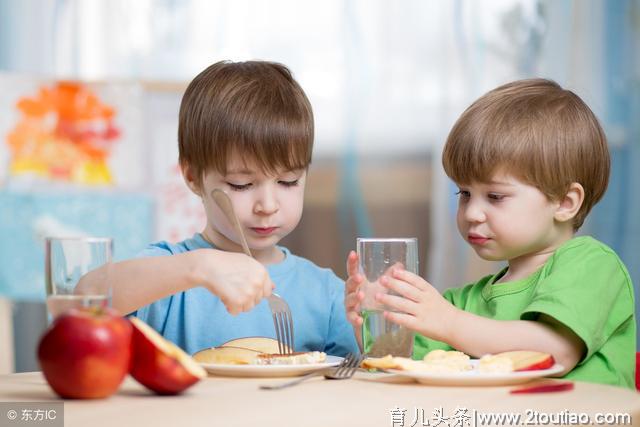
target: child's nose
<point>473,212</point>
<point>267,202</point>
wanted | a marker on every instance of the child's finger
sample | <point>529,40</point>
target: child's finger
<point>351,302</point>
<point>402,319</point>
<point>352,283</point>
<point>354,317</point>
<point>397,266</point>
<point>397,303</point>
<point>402,288</point>
<point>352,264</point>
<point>268,287</point>
<point>410,278</point>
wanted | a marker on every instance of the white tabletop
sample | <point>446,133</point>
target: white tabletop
<point>366,400</point>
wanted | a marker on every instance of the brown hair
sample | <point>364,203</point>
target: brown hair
<point>536,131</point>
<point>254,109</point>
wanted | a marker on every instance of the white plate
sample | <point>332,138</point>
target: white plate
<point>261,371</point>
<point>477,378</point>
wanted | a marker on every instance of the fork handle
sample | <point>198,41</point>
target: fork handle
<point>294,382</point>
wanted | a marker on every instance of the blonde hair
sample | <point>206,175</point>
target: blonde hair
<point>536,131</point>
<point>254,109</point>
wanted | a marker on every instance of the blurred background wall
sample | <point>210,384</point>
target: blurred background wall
<point>386,81</point>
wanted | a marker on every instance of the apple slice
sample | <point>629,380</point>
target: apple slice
<point>227,355</point>
<point>160,365</point>
<point>261,344</point>
<point>528,360</point>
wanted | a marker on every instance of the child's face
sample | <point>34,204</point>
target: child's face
<point>268,207</point>
<point>506,219</point>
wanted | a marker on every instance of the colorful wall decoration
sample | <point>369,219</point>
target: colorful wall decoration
<point>64,132</point>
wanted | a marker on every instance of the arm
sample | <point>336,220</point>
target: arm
<point>477,335</point>
<point>424,310</point>
<point>240,281</point>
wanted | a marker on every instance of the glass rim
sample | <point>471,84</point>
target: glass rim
<point>87,239</point>
<point>385,239</point>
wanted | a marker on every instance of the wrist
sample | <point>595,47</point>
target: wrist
<point>196,271</point>
<point>450,324</point>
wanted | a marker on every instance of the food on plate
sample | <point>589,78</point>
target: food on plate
<point>298,358</point>
<point>227,355</point>
<point>386,362</point>
<point>160,365</point>
<point>436,361</point>
<point>261,344</point>
<point>255,351</point>
<point>493,363</point>
<point>520,360</point>
<point>85,353</point>
<point>446,361</point>
<point>441,361</point>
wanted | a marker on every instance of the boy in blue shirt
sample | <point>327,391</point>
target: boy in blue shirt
<point>530,160</point>
<point>245,128</point>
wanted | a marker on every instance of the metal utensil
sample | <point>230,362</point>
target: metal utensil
<point>343,371</point>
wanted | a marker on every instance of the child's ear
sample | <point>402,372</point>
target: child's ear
<point>189,179</point>
<point>570,203</point>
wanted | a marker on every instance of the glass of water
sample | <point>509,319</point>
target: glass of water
<point>377,256</point>
<point>67,259</point>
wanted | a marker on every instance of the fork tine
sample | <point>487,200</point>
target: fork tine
<point>354,365</point>
<point>276,323</point>
<point>283,333</point>
<point>289,329</point>
<point>346,362</point>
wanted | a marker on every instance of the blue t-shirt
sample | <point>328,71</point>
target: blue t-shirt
<point>197,319</point>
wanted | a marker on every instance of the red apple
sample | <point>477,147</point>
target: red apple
<point>529,360</point>
<point>160,365</point>
<point>85,353</point>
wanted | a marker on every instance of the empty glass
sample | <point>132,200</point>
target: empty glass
<point>376,257</point>
<point>67,259</point>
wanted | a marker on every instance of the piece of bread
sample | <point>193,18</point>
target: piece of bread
<point>261,344</point>
<point>227,355</point>
<point>255,351</point>
<point>436,361</point>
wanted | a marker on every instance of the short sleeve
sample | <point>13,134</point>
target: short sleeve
<point>155,313</point>
<point>588,289</point>
<point>459,297</point>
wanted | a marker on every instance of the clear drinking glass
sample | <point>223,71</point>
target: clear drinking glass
<point>67,259</point>
<point>376,257</point>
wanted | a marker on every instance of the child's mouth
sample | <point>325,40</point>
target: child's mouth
<point>477,240</point>
<point>264,231</point>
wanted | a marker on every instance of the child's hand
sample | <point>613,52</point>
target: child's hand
<point>237,279</point>
<point>352,295</point>
<point>419,305</point>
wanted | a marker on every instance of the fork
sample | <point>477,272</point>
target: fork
<point>282,319</point>
<point>343,371</point>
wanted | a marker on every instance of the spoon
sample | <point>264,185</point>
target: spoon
<point>223,201</point>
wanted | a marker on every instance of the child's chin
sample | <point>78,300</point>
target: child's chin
<point>488,256</point>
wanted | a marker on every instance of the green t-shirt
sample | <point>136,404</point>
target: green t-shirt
<point>583,285</point>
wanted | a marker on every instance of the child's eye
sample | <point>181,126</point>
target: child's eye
<point>495,196</point>
<point>238,187</point>
<point>464,194</point>
<point>289,183</point>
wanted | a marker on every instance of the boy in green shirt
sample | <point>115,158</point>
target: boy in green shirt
<point>530,160</point>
